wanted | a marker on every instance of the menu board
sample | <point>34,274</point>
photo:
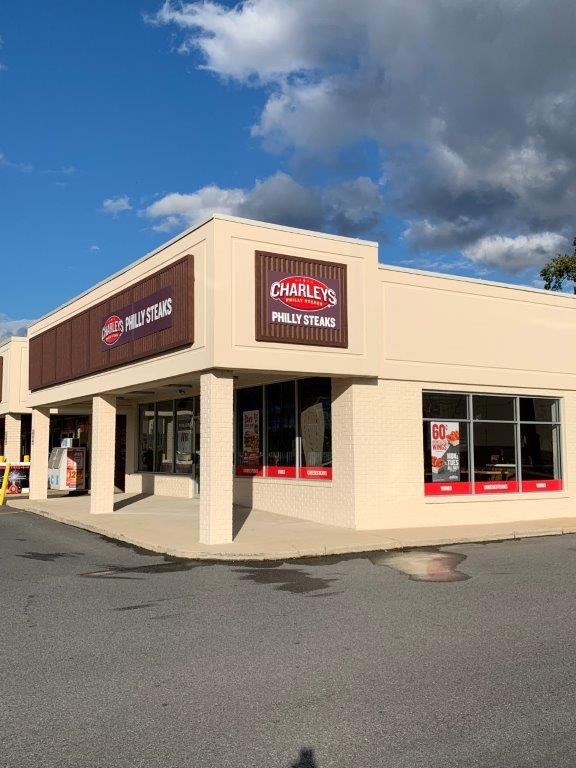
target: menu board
<point>445,451</point>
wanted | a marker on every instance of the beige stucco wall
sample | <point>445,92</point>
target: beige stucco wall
<point>400,465</point>
<point>14,352</point>
<point>444,328</point>
<point>235,243</point>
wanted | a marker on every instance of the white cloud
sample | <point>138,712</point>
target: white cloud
<point>65,170</point>
<point>514,254</point>
<point>94,248</point>
<point>21,167</point>
<point>10,327</point>
<point>471,103</point>
<point>116,205</point>
<point>348,208</point>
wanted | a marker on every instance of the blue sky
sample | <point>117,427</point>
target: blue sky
<point>268,110</point>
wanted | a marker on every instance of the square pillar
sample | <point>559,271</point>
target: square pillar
<point>12,437</point>
<point>132,440</point>
<point>358,451</point>
<point>103,450</point>
<point>40,441</point>
<point>216,456</point>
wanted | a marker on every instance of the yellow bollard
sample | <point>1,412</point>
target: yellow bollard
<point>4,484</point>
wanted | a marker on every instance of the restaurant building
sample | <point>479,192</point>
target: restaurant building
<point>286,370</point>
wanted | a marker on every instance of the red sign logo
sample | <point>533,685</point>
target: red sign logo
<point>304,293</point>
<point>112,329</point>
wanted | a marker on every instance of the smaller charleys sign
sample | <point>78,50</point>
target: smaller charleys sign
<point>304,301</point>
<point>141,318</point>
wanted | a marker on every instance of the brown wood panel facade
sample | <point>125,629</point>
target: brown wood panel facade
<point>298,334</point>
<point>73,348</point>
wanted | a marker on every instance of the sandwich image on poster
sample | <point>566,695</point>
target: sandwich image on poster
<point>445,451</point>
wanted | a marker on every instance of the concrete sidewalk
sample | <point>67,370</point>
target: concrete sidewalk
<point>170,526</point>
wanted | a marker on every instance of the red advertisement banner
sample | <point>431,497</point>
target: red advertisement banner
<point>541,485</point>
<point>496,486</point>
<point>280,471</point>
<point>316,473</point>
<point>446,489</point>
<point>243,471</point>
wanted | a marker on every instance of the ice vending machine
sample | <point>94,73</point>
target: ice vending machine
<point>67,469</point>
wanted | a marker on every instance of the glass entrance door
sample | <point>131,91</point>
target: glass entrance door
<point>188,438</point>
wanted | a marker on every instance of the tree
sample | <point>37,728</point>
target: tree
<point>559,270</point>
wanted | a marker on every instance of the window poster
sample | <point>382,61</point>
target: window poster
<point>251,441</point>
<point>445,451</point>
<point>313,430</point>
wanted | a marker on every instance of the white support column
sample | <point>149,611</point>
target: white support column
<point>132,440</point>
<point>39,453</point>
<point>216,456</point>
<point>12,437</point>
<point>103,448</point>
<point>357,455</point>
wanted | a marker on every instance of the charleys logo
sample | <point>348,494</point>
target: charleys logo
<point>141,318</point>
<point>112,329</point>
<point>303,293</point>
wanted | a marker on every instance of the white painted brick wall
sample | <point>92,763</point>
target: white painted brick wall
<point>12,431</point>
<point>39,453</point>
<point>216,456</point>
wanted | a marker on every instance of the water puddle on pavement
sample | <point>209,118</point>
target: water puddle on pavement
<point>47,557</point>
<point>293,580</point>
<point>429,564</point>
<point>170,565</point>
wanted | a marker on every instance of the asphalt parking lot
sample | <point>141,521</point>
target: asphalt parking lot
<point>114,657</point>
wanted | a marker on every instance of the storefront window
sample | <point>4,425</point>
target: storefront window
<point>164,437</point>
<point>315,419</point>
<point>539,409</point>
<point>186,456</point>
<point>494,458</point>
<point>493,408</point>
<point>444,405</point>
<point>249,432</point>
<point>281,429</point>
<point>169,436</point>
<point>515,443</point>
<point>540,457</point>
<point>146,452</point>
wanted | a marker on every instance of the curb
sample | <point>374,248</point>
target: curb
<point>293,553</point>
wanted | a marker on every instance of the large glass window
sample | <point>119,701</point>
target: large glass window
<point>315,419</point>
<point>285,430</point>
<point>169,436</point>
<point>540,445</point>
<point>281,429</point>
<point>164,437</point>
<point>503,443</point>
<point>146,452</point>
<point>495,457</point>
<point>249,432</point>
<point>185,436</point>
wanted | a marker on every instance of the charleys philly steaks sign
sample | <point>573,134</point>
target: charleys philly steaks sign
<point>139,319</point>
<point>300,300</point>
